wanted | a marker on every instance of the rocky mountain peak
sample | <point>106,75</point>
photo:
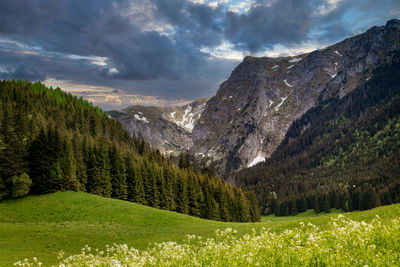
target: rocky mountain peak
<point>251,112</point>
<point>393,24</point>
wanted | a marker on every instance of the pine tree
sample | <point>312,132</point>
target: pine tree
<point>254,211</point>
<point>45,168</point>
<point>195,196</point>
<point>301,204</point>
<point>68,165</point>
<point>99,179</point>
<point>182,201</point>
<point>80,153</point>
<point>118,174</point>
<point>292,207</point>
<point>317,206</point>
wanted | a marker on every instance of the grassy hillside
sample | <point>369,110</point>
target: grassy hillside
<point>41,226</point>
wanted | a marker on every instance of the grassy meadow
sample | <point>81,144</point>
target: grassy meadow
<point>41,226</point>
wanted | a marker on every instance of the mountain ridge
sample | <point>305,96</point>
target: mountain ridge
<point>247,119</point>
<point>342,153</point>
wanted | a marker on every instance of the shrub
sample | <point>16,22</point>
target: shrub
<point>20,185</point>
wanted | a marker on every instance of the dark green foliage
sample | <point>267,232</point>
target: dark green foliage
<point>64,143</point>
<point>20,185</point>
<point>14,138</point>
<point>99,178</point>
<point>343,153</point>
<point>118,174</point>
<point>3,189</point>
<point>45,163</point>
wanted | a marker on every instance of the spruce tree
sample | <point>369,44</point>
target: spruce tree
<point>118,174</point>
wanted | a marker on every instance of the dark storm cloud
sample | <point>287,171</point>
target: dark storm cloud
<point>22,65</point>
<point>265,24</point>
<point>97,28</point>
<point>281,22</point>
<point>197,24</point>
<point>58,39</point>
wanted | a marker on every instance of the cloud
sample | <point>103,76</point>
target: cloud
<point>97,28</point>
<point>170,49</point>
<point>108,98</point>
<point>266,24</point>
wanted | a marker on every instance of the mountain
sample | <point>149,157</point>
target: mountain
<point>343,153</point>
<point>52,141</point>
<point>248,118</point>
<point>168,129</point>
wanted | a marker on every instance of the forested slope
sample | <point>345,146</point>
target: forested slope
<point>344,153</point>
<point>51,141</point>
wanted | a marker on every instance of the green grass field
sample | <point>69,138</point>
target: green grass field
<point>41,226</point>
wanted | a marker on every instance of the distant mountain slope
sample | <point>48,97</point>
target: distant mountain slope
<point>51,141</point>
<point>251,112</point>
<point>167,129</point>
<point>344,153</point>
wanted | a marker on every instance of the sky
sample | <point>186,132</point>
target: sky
<point>165,52</point>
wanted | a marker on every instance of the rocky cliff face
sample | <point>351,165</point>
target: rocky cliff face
<point>251,112</point>
<point>168,129</point>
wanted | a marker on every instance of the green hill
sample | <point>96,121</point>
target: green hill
<point>41,226</point>
<point>51,141</point>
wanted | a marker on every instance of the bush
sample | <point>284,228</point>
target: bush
<point>20,185</point>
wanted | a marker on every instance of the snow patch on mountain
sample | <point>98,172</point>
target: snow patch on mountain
<point>190,116</point>
<point>137,117</point>
<point>338,53</point>
<point>295,60</point>
<point>285,81</point>
<point>280,104</point>
<point>255,161</point>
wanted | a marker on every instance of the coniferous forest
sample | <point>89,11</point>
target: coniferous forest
<point>51,141</point>
<point>343,153</point>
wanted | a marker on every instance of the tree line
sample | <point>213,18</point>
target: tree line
<point>51,141</point>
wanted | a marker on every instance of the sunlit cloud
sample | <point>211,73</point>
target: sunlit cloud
<point>228,51</point>
<point>327,7</point>
<point>242,7</point>
<point>110,98</point>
